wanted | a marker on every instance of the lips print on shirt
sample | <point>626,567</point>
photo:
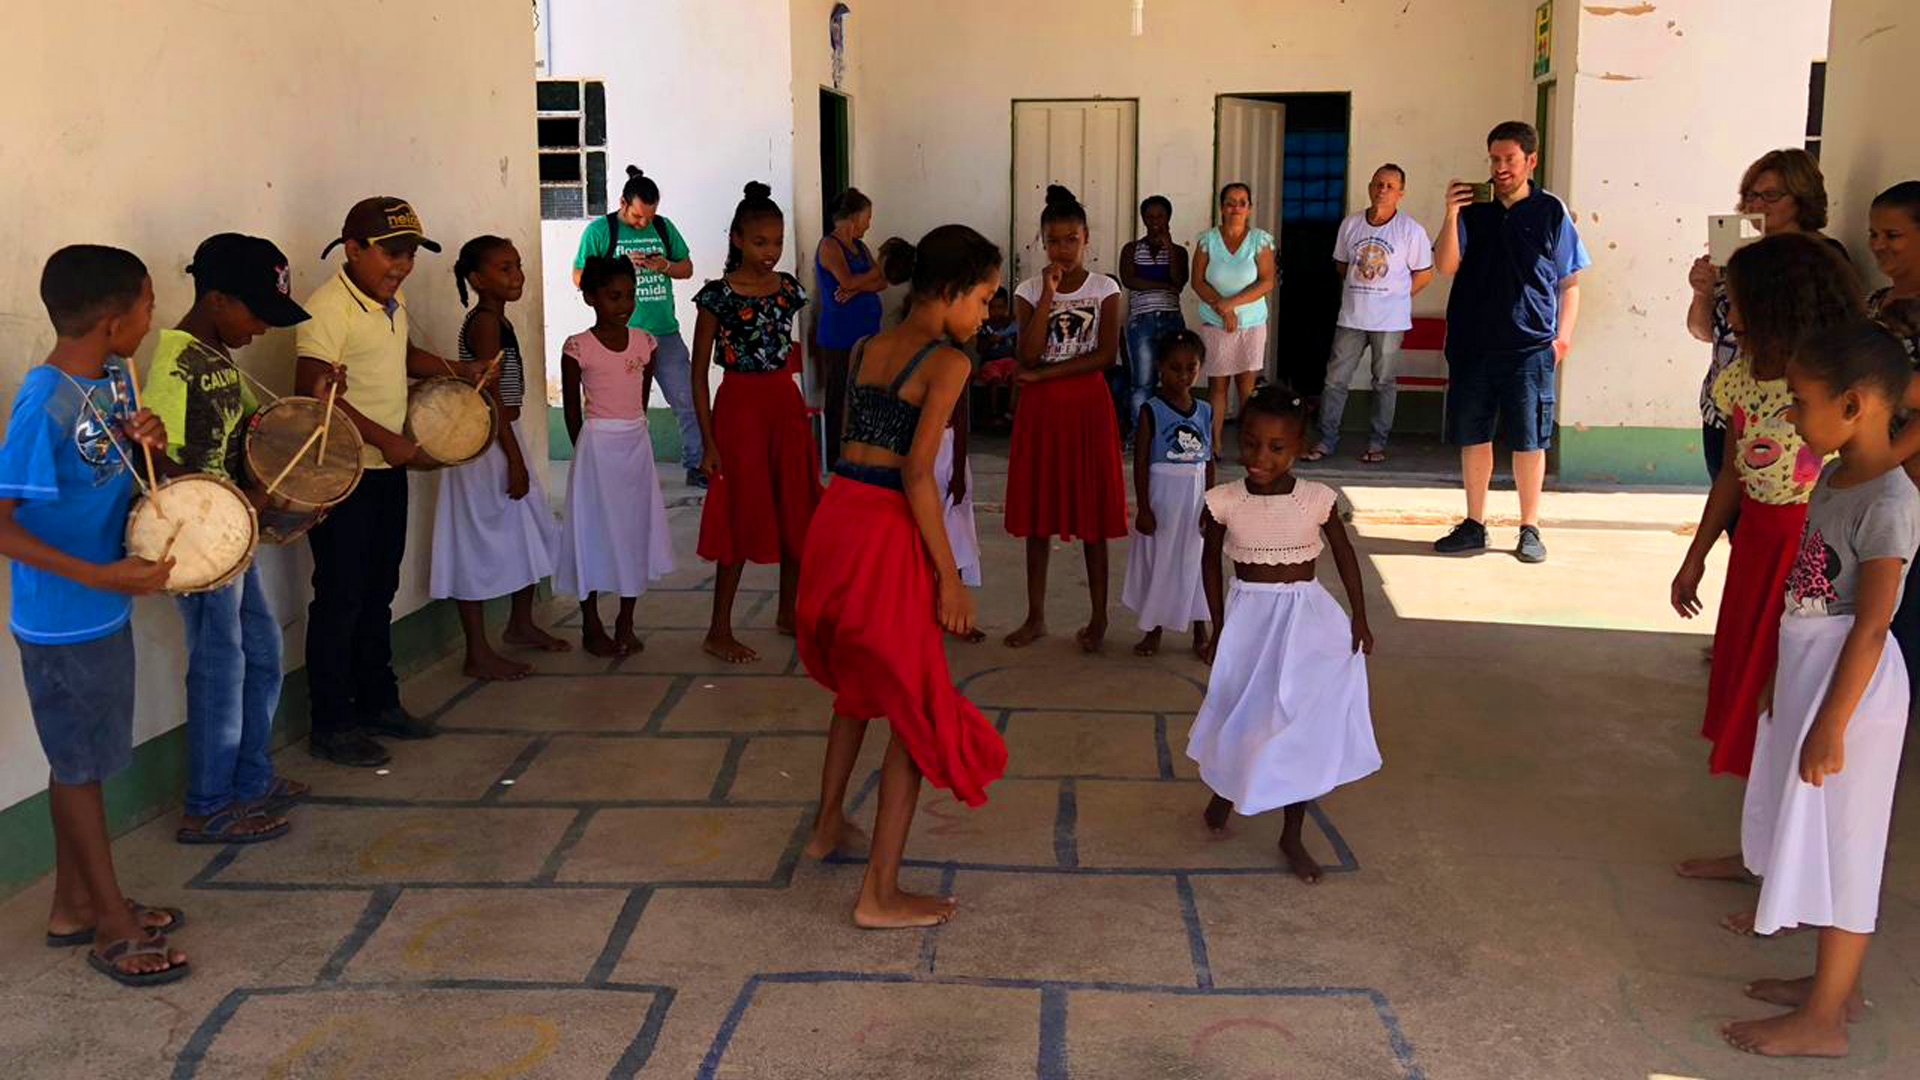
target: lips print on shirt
<point>1776,465</point>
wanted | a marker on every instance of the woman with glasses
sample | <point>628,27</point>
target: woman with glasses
<point>1786,188</point>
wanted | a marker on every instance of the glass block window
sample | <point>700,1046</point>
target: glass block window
<point>1313,185</point>
<point>571,128</point>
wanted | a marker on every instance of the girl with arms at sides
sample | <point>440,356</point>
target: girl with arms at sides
<point>1172,472</point>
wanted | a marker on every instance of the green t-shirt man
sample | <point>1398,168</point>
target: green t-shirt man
<point>652,291</point>
<point>201,398</point>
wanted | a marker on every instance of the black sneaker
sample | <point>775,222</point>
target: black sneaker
<point>349,748</point>
<point>696,479</point>
<point>400,724</point>
<point>1468,536</point>
<point>1531,550</point>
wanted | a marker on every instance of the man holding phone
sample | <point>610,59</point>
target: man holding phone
<point>1516,257</point>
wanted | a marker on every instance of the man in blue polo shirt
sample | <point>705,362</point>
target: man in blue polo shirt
<point>1516,260</point>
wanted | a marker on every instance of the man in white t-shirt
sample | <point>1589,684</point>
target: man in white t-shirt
<point>1384,259</point>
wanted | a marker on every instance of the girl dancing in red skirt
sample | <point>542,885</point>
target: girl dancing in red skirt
<point>881,583</point>
<point>760,462</point>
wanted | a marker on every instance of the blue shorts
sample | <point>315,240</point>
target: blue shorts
<point>1516,390</point>
<point>81,695</point>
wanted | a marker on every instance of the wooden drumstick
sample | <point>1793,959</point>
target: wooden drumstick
<point>493,365</point>
<point>333,391</point>
<point>295,459</point>
<point>153,481</point>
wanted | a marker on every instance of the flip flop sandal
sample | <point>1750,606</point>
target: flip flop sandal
<point>175,920</point>
<point>283,795</point>
<point>108,963</point>
<point>1373,457</point>
<point>1315,454</point>
<point>223,828</point>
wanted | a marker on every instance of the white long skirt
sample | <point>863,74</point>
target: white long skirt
<point>616,538</point>
<point>485,544</point>
<point>1820,850</point>
<point>1286,717</point>
<point>959,516</point>
<point>1163,570</point>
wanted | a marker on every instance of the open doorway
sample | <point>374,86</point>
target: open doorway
<point>836,148</point>
<point>1292,150</point>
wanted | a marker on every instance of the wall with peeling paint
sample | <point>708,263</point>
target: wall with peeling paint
<point>1870,76</point>
<point>1671,101</point>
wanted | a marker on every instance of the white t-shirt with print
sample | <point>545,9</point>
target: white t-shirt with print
<point>1381,261</point>
<point>1073,326</point>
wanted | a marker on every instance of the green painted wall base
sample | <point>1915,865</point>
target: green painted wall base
<point>660,424</point>
<point>1414,412</point>
<point>153,784</point>
<point>1631,455</point>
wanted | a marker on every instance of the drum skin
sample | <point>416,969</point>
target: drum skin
<point>208,529</point>
<point>274,434</point>
<point>450,419</point>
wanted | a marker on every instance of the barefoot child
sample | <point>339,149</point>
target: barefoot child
<point>1778,290</point>
<point>881,583</point>
<point>65,484</point>
<point>493,530</point>
<point>1064,477</point>
<point>1285,719</point>
<point>1172,473</point>
<point>233,638</point>
<point>760,456</point>
<point>616,538</point>
<point>1820,796</point>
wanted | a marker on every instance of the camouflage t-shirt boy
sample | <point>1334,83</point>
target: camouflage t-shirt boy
<point>199,394</point>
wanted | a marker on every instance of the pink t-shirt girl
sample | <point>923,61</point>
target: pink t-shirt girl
<point>610,381</point>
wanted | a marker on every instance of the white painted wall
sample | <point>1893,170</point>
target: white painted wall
<point>1427,79</point>
<point>269,118</point>
<point>1670,103</point>
<point>700,96</point>
<point>1870,61</point>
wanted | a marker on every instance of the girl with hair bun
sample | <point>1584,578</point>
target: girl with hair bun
<point>493,532</point>
<point>847,284</point>
<point>882,582</point>
<point>638,231</point>
<point>1064,477</point>
<point>758,452</point>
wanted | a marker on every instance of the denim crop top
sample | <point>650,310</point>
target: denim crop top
<point>877,415</point>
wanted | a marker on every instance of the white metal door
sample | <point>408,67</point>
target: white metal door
<point>1250,149</point>
<point>1091,147</point>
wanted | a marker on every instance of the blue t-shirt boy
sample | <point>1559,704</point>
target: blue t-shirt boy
<point>69,475</point>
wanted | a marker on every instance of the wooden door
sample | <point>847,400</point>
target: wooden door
<point>1250,147</point>
<point>1092,148</point>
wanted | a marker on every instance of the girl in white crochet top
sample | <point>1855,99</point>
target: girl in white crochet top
<point>1285,718</point>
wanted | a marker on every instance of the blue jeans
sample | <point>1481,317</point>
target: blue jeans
<point>1348,346</point>
<point>233,684</point>
<point>673,370</point>
<point>1143,360</point>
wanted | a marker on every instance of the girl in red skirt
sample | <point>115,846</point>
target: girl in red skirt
<point>1063,471</point>
<point>763,476</point>
<point>1779,289</point>
<point>881,583</point>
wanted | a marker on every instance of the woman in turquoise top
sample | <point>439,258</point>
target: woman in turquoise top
<point>1234,268</point>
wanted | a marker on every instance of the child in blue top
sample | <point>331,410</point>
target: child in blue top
<point>1172,472</point>
<point>65,485</point>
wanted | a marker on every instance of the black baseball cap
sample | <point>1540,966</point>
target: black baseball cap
<point>250,269</point>
<point>382,217</point>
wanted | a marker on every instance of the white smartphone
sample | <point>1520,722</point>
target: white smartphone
<point>1728,233</point>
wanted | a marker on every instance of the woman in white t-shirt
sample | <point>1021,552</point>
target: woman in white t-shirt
<point>1234,268</point>
<point>1063,471</point>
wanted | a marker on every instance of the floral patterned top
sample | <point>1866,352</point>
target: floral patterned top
<point>756,332</point>
<point>1776,467</point>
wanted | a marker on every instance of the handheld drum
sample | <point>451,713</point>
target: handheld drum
<point>203,523</point>
<point>309,476</point>
<point>450,419</point>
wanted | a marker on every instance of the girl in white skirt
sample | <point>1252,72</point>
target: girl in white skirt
<point>1285,719</point>
<point>1172,470</point>
<point>493,530</point>
<point>1820,795</point>
<point>616,538</point>
<point>953,479</point>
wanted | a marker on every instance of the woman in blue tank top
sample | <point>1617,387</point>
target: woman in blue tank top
<point>848,284</point>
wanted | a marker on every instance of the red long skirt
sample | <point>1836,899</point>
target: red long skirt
<point>867,631</point>
<point>1063,470</point>
<point>1746,639</point>
<point>758,508</point>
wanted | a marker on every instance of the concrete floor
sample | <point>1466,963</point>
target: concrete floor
<point>596,873</point>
